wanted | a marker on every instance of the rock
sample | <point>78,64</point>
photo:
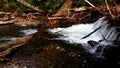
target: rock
<point>92,43</point>
<point>99,49</point>
<point>117,41</point>
<point>112,54</point>
<point>117,29</point>
<point>43,52</point>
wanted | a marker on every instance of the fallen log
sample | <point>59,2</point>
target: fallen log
<point>6,22</point>
<point>7,48</point>
<point>73,18</point>
<point>69,19</point>
<point>63,11</point>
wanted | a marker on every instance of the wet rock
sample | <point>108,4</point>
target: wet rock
<point>99,49</point>
<point>92,43</point>
<point>117,29</point>
<point>112,54</point>
<point>43,52</point>
<point>117,41</point>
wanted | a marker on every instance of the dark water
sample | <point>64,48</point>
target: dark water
<point>12,32</point>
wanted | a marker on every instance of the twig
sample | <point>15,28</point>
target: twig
<point>90,4</point>
<point>93,6</point>
<point>104,39</point>
<point>107,6</point>
<point>109,9</point>
<point>84,17</point>
<point>91,33</point>
<point>30,6</point>
<point>83,8</point>
<point>51,18</point>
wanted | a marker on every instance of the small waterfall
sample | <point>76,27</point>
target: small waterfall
<point>95,42</point>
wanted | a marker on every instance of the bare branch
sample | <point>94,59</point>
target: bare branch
<point>30,6</point>
<point>109,9</point>
<point>90,3</point>
<point>91,33</point>
<point>83,8</point>
<point>51,18</point>
<point>6,22</point>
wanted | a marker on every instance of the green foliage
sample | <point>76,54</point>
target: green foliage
<point>11,4</point>
<point>50,6</point>
<point>31,1</point>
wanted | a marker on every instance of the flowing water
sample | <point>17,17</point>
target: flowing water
<point>95,42</point>
<point>12,32</point>
<point>72,47</point>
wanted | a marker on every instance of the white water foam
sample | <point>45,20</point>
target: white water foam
<point>8,38</point>
<point>29,31</point>
<point>74,34</point>
<point>25,32</point>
